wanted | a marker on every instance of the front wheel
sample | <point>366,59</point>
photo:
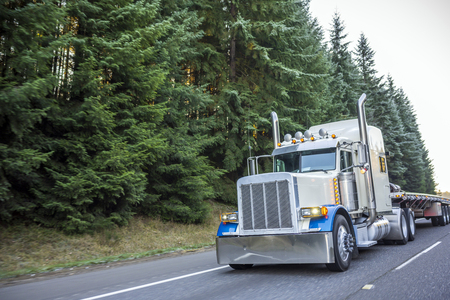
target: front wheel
<point>343,243</point>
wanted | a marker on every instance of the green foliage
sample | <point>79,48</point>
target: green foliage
<point>25,84</point>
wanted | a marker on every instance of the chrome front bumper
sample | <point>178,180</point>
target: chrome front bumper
<point>308,248</point>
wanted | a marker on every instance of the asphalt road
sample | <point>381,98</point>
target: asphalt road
<point>418,270</point>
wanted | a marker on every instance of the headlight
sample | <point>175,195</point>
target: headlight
<point>229,217</point>
<point>313,212</point>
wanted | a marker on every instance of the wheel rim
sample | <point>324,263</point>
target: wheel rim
<point>404,227</point>
<point>343,251</point>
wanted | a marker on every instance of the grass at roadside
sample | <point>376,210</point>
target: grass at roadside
<point>32,249</point>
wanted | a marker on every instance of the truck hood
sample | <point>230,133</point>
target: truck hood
<point>315,189</point>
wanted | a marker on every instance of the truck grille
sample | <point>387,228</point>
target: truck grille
<point>266,205</point>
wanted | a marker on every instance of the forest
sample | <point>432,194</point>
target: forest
<point>116,108</point>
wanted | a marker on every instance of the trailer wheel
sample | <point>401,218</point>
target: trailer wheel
<point>241,267</point>
<point>343,244</point>
<point>404,229</point>
<point>447,210</point>
<point>434,221</point>
<point>411,227</point>
<point>447,216</point>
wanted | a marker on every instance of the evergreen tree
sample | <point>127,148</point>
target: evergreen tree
<point>268,56</point>
<point>345,76</point>
<point>26,82</point>
<point>382,110</point>
<point>430,184</point>
<point>419,174</point>
<point>371,84</point>
<point>184,178</point>
<point>393,131</point>
<point>103,129</point>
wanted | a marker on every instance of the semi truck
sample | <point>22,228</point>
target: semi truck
<point>328,196</point>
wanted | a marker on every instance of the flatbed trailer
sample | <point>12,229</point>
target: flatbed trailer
<point>427,206</point>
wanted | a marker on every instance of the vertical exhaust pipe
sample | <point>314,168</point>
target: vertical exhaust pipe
<point>275,129</point>
<point>365,145</point>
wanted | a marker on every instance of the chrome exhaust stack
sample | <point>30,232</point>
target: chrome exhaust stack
<point>275,129</point>
<point>364,157</point>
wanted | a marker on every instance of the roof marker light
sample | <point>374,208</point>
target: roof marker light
<point>298,135</point>
<point>308,134</point>
<point>322,132</point>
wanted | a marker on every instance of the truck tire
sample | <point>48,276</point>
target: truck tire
<point>447,215</point>
<point>441,219</point>
<point>444,214</point>
<point>241,267</point>
<point>342,244</point>
<point>411,225</point>
<point>404,229</point>
<point>434,221</point>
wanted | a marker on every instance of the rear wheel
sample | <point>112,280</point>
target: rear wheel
<point>241,267</point>
<point>404,228</point>
<point>447,216</point>
<point>343,243</point>
<point>434,221</point>
<point>441,219</point>
<point>411,226</point>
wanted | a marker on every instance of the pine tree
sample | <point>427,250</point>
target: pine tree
<point>393,131</point>
<point>382,110</point>
<point>419,170</point>
<point>104,127</point>
<point>430,183</point>
<point>267,56</point>
<point>346,79</point>
<point>26,48</point>
<point>184,178</point>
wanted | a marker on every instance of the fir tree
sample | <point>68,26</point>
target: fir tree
<point>419,175</point>
<point>345,76</point>
<point>26,82</point>
<point>268,56</point>
<point>184,178</point>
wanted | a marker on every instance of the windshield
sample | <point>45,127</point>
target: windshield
<point>306,161</point>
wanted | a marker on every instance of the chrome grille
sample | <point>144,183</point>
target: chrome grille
<point>266,205</point>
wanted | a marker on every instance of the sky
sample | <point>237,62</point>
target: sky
<point>411,40</point>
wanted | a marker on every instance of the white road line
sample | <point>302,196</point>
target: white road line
<point>413,258</point>
<point>153,283</point>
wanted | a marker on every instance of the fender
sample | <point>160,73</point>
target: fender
<point>226,227</point>
<point>326,223</point>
